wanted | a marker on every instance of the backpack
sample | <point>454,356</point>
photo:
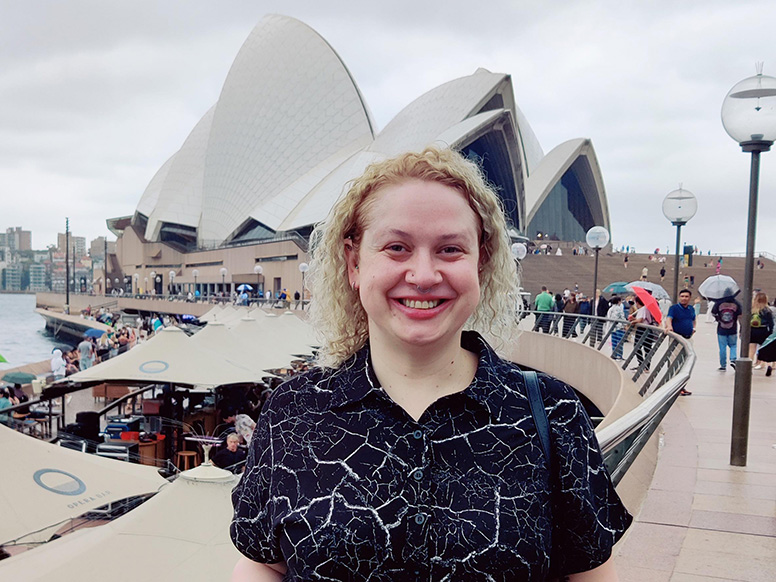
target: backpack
<point>756,320</point>
<point>726,315</point>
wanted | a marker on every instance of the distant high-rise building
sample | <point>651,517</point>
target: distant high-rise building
<point>13,277</point>
<point>77,244</point>
<point>38,277</point>
<point>17,239</point>
<point>97,248</point>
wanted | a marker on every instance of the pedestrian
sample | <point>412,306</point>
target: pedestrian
<point>570,310</point>
<point>411,452</point>
<point>644,338</point>
<point>601,310</point>
<point>726,312</point>
<point>617,314</point>
<point>719,265</point>
<point>682,321</point>
<point>585,311</point>
<point>761,326</point>
<point>625,261</point>
<point>662,273</point>
<point>297,299</point>
<point>644,273</point>
<point>543,305</point>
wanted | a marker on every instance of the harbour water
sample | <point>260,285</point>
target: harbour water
<point>23,335</point>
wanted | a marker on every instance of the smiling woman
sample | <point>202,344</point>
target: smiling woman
<point>413,450</point>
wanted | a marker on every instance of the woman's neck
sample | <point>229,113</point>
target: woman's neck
<point>415,378</point>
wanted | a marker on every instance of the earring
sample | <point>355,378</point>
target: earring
<point>354,286</point>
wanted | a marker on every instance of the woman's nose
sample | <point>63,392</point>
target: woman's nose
<point>423,271</point>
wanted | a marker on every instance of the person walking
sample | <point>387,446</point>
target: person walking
<point>726,312</point>
<point>625,261</point>
<point>601,310</point>
<point>617,313</point>
<point>682,320</point>
<point>570,310</point>
<point>543,305</point>
<point>761,326</point>
<point>662,273</point>
<point>644,338</point>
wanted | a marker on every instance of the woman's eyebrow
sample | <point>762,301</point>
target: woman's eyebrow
<point>402,234</point>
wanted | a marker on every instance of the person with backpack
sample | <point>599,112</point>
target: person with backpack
<point>761,326</point>
<point>645,337</point>
<point>726,312</point>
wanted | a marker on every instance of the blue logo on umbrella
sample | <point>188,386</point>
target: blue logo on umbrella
<point>59,482</point>
<point>154,367</point>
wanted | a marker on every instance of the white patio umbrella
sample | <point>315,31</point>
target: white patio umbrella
<point>43,485</point>
<point>658,292</point>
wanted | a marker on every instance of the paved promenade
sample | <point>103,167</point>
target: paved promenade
<point>704,520</point>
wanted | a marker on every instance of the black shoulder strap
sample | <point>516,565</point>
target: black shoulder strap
<point>537,411</point>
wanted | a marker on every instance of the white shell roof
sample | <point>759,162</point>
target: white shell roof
<point>551,169</point>
<point>180,196</point>
<point>291,129</point>
<point>288,104</point>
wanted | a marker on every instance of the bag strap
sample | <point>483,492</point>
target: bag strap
<point>538,412</point>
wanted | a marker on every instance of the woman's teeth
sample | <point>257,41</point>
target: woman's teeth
<point>412,304</point>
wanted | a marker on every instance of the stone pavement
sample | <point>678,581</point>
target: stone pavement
<point>702,518</point>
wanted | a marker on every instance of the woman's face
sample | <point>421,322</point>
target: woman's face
<point>417,264</point>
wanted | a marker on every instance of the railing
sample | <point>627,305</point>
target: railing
<point>663,364</point>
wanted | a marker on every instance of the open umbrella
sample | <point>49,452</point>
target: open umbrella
<point>657,291</point>
<point>245,287</point>
<point>718,286</point>
<point>620,288</point>
<point>649,302</point>
<point>95,333</point>
<point>19,377</point>
<point>767,351</point>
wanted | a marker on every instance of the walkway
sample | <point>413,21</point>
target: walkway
<point>704,520</point>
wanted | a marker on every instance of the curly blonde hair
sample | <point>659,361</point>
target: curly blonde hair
<point>335,309</point>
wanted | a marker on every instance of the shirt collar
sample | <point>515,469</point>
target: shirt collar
<point>354,381</point>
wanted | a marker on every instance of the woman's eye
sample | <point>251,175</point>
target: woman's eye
<point>396,248</point>
<point>451,250</point>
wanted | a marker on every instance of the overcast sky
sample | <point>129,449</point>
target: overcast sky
<point>96,95</point>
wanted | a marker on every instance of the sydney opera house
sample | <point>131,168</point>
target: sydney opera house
<point>236,203</point>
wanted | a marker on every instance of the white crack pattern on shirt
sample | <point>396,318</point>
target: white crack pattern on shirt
<point>342,484</point>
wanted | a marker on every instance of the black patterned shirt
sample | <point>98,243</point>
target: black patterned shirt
<point>342,484</point>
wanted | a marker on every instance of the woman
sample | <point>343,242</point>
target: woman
<point>761,326</point>
<point>412,453</point>
<point>571,310</point>
<point>617,313</point>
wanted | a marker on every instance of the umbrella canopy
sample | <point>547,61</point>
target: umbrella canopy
<point>245,287</point>
<point>182,533</point>
<point>19,377</point>
<point>218,339</point>
<point>169,358</point>
<point>95,333</point>
<point>718,286</point>
<point>767,351</point>
<point>44,485</point>
<point>619,287</point>
<point>658,292</point>
<point>649,302</point>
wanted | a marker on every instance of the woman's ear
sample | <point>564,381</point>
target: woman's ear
<point>351,257</point>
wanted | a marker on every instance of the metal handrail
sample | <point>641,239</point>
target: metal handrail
<point>665,363</point>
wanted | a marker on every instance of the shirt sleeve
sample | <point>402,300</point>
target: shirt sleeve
<point>252,530</point>
<point>588,516</point>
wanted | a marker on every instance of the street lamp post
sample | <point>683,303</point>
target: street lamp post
<point>749,117</point>
<point>195,272</point>
<point>258,269</point>
<point>223,280</point>
<point>679,206</point>
<point>303,268</point>
<point>136,278</point>
<point>172,282</point>
<point>153,281</point>
<point>596,238</point>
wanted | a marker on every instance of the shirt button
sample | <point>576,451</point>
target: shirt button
<point>418,434</point>
<point>417,475</point>
<point>420,519</point>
